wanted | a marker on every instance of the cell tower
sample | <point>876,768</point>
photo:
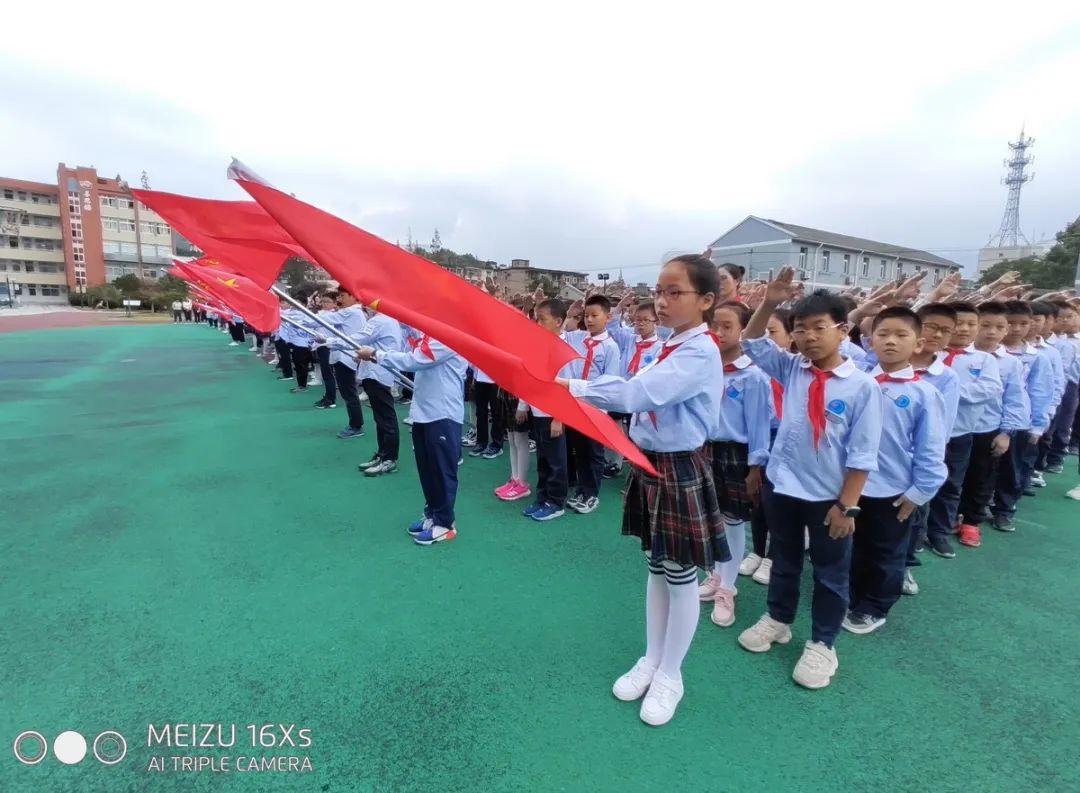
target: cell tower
<point>1010,235</point>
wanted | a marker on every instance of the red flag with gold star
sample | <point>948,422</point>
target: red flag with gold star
<point>258,307</point>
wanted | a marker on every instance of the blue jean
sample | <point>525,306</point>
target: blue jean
<point>437,446</point>
<point>945,505</point>
<point>831,560</point>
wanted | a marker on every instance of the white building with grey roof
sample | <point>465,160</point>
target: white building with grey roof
<point>823,258</point>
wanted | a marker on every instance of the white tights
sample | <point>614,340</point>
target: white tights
<point>736,540</point>
<point>520,458</point>
<point>671,615</point>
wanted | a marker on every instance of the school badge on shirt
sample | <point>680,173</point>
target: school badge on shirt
<point>834,411</point>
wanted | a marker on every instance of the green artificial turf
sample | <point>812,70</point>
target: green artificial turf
<point>184,541</point>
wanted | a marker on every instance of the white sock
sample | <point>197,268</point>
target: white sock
<point>683,613</point>
<point>656,617</point>
<point>736,540</point>
<point>511,438</point>
<point>524,456</point>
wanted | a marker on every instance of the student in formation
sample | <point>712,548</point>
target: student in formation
<point>675,404</point>
<point>1043,315</point>
<point>1066,325</point>
<point>599,356</point>
<point>517,423</point>
<point>322,351</point>
<point>349,319</point>
<point>938,323</point>
<point>979,384</point>
<point>740,450</point>
<point>437,412</point>
<point>825,448</point>
<point>1016,465</point>
<point>911,467</point>
<point>382,333</point>
<point>300,338</point>
<point>999,421</point>
<point>236,330</point>
<point>489,418</point>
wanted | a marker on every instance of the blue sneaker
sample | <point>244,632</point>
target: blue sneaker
<point>548,512</point>
<point>349,432</point>
<point>435,534</point>
<point>530,510</point>
<point>491,452</point>
<point>420,526</point>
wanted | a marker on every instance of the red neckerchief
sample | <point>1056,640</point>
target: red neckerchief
<point>730,367</point>
<point>777,398</point>
<point>664,353</point>
<point>953,352</point>
<point>424,343</point>
<point>885,377</point>
<point>590,349</point>
<point>715,338</point>
<point>815,402</point>
<point>635,362</point>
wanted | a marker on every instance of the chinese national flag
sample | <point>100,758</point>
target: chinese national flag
<point>518,354</point>
<point>238,235</point>
<point>258,307</point>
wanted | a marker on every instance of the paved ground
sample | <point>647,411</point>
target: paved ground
<point>11,322</point>
<point>183,540</point>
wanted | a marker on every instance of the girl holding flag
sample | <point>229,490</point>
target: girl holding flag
<point>675,405</point>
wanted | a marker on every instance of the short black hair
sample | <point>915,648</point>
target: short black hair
<point>737,271</point>
<point>739,309</point>
<point>1017,308</point>
<point>784,315</point>
<point>994,307</point>
<point>703,274</point>
<point>1040,308</point>
<point>555,307</point>
<point>598,300</point>
<point>820,302</point>
<point>936,310</point>
<point>1061,305</point>
<point>646,305</point>
<point>898,312</point>
<point>850,302</point>
<point>965,308</point>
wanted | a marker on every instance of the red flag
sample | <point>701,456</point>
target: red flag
<point>518,354</point>
<point>258,307</point>
<point>238,235</point>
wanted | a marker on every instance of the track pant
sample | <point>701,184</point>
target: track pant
<point>1061,430</point>
<point>322,354</point>
<point>1013,469</point>
<point>945,505</point>
<point>979,480</point>
<point>236,330</point>
<point>588,460</point>
<point>878,554</point>
<point>488,414</point>
<point>284,357</point>
<point>437,446</point>
<point>381,402</point>
<point>346,384</point>
<point>301,357</point>
<point>551,484</point>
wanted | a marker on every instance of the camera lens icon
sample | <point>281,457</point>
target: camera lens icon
<point>70,748</point>
<point>30,747</point>
<point>110,747</point>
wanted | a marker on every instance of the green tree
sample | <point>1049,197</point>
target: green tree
<point>129,285</point>
<point>1056,270</point>
<point>105,293</point>
<point>545,283</point>
<point>171,285</point>
<point>297,271</point>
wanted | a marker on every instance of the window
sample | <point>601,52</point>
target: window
<point>78,255</point>
<point>9,194</point>
<point>32,289</point>
<point>29,267</point>
<point>50,291</point>
<point>16,268</point>
<point>847,263</point>
<point>126,225</point>
<point>918,268</point>
<point>110,224</point>
<point>937,275</point>
<point>884,269</point>
<point>110,246</point>
<point>108,201</point>
<point>825,262</point>
<point>899,269</point>
<point>164,251</point>
<point>866,266</point>
<point>46,268</point>
<point>3,267</point>
<point>802,258</point>
<point>125,203</point>
<point>128,248</point>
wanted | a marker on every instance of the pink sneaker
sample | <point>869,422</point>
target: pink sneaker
<point>502,490</point>
<point>517,491</point>
<point>709,587</point>
<point>723,613</point>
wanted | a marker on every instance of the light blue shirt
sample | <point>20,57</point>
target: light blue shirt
<point>947,383</point>
<point>1039,384</point>
<point>606,356</point>
<point>627,341</point>
<point>1057,371</point>
<point>1010,411</point>
<point>747,400</point>
<point>980,383</point>
<point>382,333</point>
<point>351,321</point>
<point>852,424</point>
<point>439,385</point>
<point>1070,363</point>
<point>911,458</point>
<point>675,402</point>
<point>850,349</point>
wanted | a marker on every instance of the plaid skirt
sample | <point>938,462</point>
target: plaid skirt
<point>507,406</point>
<point>730,467</point>
<point>676,515</point>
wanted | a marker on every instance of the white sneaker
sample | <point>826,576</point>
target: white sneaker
<point>709,587</point>
<point>1074,494</point>
<point>760,636</point>
<point>663,698</point>
<point>634,683</point>
<point>723,613</point>
<point>761,575</point>
<point>251,349</point>
<point>750,564</point>
<point>816,667</point>
<point>234,344</point>
<point>1037,479</point>
<point>910,585</point>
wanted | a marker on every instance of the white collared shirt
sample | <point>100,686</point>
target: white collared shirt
<point>746,409</point>
<point>606,356</point>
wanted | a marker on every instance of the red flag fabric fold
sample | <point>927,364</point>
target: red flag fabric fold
<point>258,307</point>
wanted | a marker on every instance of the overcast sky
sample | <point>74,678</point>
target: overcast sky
<point>576,134</point>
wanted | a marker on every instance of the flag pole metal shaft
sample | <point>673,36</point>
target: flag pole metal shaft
<point>404,382</point>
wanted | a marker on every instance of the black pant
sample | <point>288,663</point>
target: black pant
<point>406,393</point>
<point>301,357</point>
<point>878,553</point>
<point>1012,473</point>
<point>187,315</point>
<point>1060,431</point>
<point>346,383</point>
<point>551,485</point>
<point>486,399</point>
<point>381,402</point>
<point>284,357</point>
<point>588,460</point>
<point>322,354</point>
<point>943,507</point>
<point>979,480</point>
<point>177,315</point>
<point>831,560</point>
<point>237,331</point>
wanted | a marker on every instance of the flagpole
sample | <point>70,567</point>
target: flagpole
<point>402,381</point>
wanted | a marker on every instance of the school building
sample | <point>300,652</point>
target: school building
<point>823,258</point>
<point>521,278</point>
<point>83,231</point>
